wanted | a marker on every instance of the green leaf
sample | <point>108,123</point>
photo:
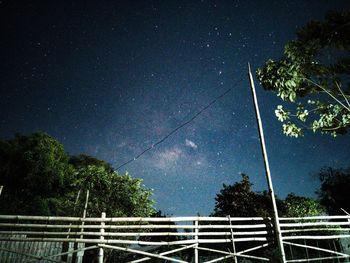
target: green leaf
<point>292,96</point>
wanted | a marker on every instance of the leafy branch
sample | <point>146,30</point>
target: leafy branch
<point>305,71</point>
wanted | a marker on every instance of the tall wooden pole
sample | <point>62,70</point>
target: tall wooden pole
<point>267,168</point>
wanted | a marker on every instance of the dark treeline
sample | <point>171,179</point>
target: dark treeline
<point>40,178</point>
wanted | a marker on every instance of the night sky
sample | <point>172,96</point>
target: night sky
<point>111,78</point>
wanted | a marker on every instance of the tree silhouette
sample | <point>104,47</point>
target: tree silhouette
<point>334,190</point>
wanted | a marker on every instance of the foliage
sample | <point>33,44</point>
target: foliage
<point>83,160</point>
<point>313,75</point>
<point>40,178</point>
<point>334,190</point>
<point>34,171</point>
<point>240,200</point>
<point>299,206</point>
<point>117,195</point>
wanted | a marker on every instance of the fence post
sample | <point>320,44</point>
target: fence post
<point>233,241</point>
<point>71,244</point>
<point>102,231</point>
<point>196,239</point>
<point>80,253</point>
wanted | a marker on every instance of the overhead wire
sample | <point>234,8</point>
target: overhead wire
<point>177,128</point>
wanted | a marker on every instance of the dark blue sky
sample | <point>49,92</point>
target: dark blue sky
<point>110,78</point>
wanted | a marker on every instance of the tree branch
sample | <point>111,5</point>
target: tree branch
<point>330,94</point>
<point>331,129</point>
<point>342,93</point>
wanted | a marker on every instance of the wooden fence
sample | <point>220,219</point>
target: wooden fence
<point>316,239</point>
<point>172,239</point>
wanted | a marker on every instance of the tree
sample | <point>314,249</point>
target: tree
<point>83,160</point>
<point>300,206</point>
<point>334,190</point>
<point>97,176</point>
<point>117,195</point>
<point>313,75</point>
<point>35,173</point>
<point>40,178</point>
<point>241,201</point>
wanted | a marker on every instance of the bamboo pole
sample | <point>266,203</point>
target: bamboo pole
<point>70,244</point>
<point>306,250</point>
<point>142,253</point>
<point>243,256</point>
<point>253,248</point>
<point>233,242</point>
<point>300,224</point>
<point>315,259</point>
<point>335,248</point>
<point>316,237</point>
<point>314,229</point>
<point>136,242</point>
<point>345,211</point>
<point>146,234</point>
<point>144,219</point>
<point>229,255</point>
<point>314,218</point>
<point>100,252</point>
<point>80,254</point>
<point>164,219</point>
<point>51,226</point>
<point>196,230</point>
<point>165,253</point>
<point>267,168</point>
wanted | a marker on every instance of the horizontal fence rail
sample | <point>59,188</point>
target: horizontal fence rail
<point>132,235</point>
<point>316,239</point>
<point>175,239</point>
<point>128,230</point>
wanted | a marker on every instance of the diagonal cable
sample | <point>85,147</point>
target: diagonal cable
<point>177,128</point>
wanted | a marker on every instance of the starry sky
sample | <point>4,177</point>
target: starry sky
<point>111,78</point>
